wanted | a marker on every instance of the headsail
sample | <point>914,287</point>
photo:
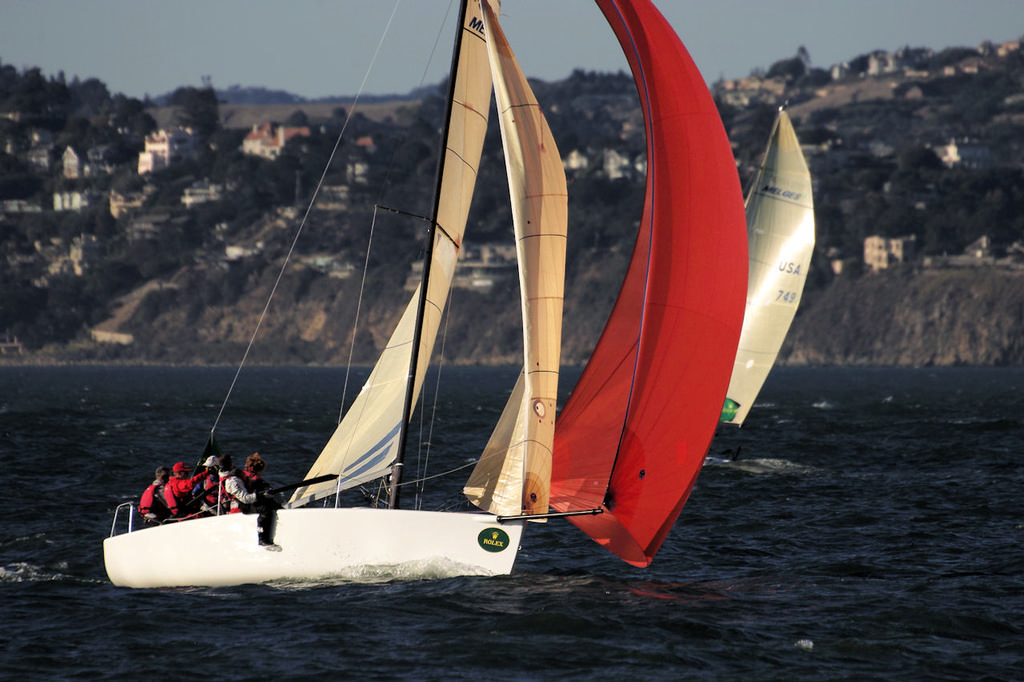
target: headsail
<point>634,433</point>
<point>513,475</point>
<point>366,441</point>
<point>780,232</point>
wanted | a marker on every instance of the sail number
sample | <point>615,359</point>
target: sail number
<point>789,267</point>
<point>786,296</point>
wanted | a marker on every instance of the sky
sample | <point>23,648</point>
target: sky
<point>317,48</point>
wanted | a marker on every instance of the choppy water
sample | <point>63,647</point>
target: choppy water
<point>870,530</point>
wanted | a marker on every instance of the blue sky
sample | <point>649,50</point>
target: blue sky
<point>316,48</point>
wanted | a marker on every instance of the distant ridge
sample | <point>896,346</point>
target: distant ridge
<point>237,94</point>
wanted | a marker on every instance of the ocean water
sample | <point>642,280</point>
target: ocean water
<point>870,529</point>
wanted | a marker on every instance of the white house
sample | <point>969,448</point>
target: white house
<point>965,154</point>
<point>268,140</point>
<point>165,147</point>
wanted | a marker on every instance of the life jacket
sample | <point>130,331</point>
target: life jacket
<point>178,495</point>
<point>254,483</point>
<point>213,494</point>
<point>153,505</point>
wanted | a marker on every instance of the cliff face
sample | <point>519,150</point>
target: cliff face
<point>902,318</point>
<point>894,318</point>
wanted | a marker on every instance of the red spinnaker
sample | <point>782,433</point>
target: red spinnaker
<point>634,434</point>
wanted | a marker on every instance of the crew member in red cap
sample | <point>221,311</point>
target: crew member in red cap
<point>178,491</point>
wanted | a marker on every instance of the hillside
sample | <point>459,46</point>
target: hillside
<point>245,116</point>
<point>915,319</point>
<point>180,273</point>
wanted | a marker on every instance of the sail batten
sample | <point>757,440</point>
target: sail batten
<point>633,434</point>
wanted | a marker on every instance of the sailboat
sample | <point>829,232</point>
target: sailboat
<point>316,542</point>
<point>780,231</point>
<point>622,456</point>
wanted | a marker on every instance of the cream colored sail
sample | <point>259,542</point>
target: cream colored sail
<point>780,233</point>
<point>514,474</point>
<point>366,442</point>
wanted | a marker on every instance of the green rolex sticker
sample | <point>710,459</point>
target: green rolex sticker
<point>493,539</point>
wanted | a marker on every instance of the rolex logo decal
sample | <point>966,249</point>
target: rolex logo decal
<point>493,539</point>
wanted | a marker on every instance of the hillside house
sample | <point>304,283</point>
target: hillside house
<point>616,165</point>
<point>19,206</point>
<point>85,252</point>
<point>99,160</point>
<point>357,172</point>
<point>367,144</point>
<point>965,154</point>
<point>1008,47</point>
<point>71,163</point>
<point>122,203</point>
<point>330,264</point>
<point>148,226</point>
<point>576,161</point>
<point>332,198</point>
<point>742,92</point>
<point>38,158</point>
<point>40,153</point>
<point>882,252</point>
<point>480,268</point>
<point>76,200</point>
<point>164,147</point>
<point>201,192</point>
<point>269,139</point>
<point>10,344</point>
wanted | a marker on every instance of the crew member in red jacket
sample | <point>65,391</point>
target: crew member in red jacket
<point>178,491</point>
<point>153,506</point>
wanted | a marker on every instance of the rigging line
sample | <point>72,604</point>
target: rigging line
<point>441,31</point>
<point>439,474</point>
<point>305,217</point>
<point>380,194</point>
<point>355,323</point>
<point>472,463</point>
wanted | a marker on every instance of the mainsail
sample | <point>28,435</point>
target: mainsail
<point>366,442</point>
<point>632,437</point>
<point>780,231</point>
<point>513,474</point>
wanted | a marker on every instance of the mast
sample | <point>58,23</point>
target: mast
<point>394,491</point>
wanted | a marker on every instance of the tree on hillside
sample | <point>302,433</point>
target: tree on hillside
<point>788,69</point>
<point>198,110</point>
<point>89,97</point>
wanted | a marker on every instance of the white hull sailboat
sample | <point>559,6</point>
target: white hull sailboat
<point>780,230</point>
<point>624,453</point>
<point>313,544</point>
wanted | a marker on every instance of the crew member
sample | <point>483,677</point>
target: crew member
<point>178,491</point>
<point>153,506</point>
<point>260,500</point>
<point>234,495</point>
<point>254,465</point>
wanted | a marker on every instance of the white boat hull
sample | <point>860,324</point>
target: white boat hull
<point>313,544</point>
